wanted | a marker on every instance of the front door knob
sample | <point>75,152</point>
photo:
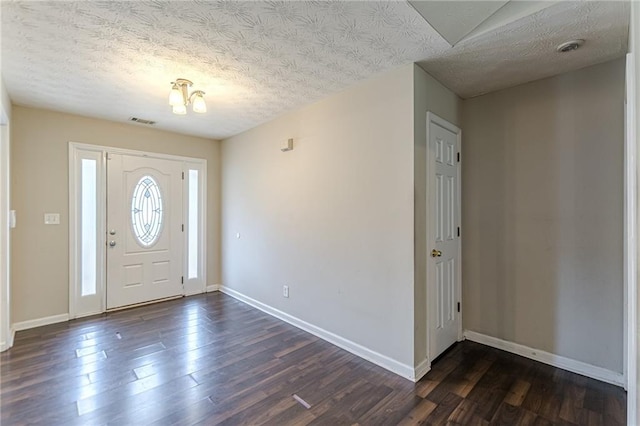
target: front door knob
<point>112,243</point>
<point>436,253</point>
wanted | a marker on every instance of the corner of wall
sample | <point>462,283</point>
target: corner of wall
<point>8,343</point>
<point>429,95</point>
<point>6,332</point>
<point>555,360</point>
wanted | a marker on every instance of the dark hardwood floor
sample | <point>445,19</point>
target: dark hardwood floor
<point>213,360</point>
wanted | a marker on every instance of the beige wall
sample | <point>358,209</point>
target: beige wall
<point>429,95</point>
<point>39,162</point>
<point>542,214</point>
<point>332,219</point>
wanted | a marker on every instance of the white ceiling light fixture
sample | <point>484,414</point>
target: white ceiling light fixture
<point>179,97</point>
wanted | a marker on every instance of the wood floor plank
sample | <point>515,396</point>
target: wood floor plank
<point>473,376</point>
<point>444,409</point>
<point>572,402</point>
<point>464,413</point>
<point>211,359</point>
<point>614,409</point>
<point>506,415</point>
<point>393,408</point>
<point>294,415</point>
<point>419,414</point>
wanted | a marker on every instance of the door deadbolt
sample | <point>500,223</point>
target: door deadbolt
<point>112,232</point>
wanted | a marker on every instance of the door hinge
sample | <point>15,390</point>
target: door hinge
<point>458,306</point>
<point>183,172</point>
<point>183,227</point>
<point>458,157</point>
<point>182,282</point>
<point>458,231</point>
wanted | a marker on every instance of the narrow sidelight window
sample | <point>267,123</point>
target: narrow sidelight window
<point>88,229</point>
<point>193,225</point>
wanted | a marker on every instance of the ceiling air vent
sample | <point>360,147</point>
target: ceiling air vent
<point>142,121</point>
<point>570,45</point>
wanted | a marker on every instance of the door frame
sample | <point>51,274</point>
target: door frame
<point>439,121</point>
<point>79,150</point>
<point>630,259</point>
<point>6,330</point>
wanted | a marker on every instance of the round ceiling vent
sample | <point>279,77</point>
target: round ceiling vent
<point>570,45</point>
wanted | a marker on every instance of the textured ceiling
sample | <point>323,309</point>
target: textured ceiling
<point>454,20</point>
<point>524,50</point>
<point>256,60</point>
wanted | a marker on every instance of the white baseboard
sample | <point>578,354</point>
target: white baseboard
<point>355,348</point>
<point>554,360</point>
<point>25,325</point>
<point>9,342</point>
<point>423,368</point>
<point>85,315</point>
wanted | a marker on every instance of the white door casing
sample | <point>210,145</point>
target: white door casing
<point>88,281</point>
<point>6,335</point>
<point>443,240</point>
<point>147,266</point>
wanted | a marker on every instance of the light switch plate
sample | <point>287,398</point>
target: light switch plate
<point>52,218</point>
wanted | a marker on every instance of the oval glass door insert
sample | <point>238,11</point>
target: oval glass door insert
<point>146,211</point>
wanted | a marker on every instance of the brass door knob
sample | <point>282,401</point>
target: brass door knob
<point>436,253</point>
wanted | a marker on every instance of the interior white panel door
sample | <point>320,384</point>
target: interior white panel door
<point>443,240</point>
<point>144,229</point>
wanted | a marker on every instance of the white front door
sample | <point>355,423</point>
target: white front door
<point>144,229</point>
<point>443,241</point>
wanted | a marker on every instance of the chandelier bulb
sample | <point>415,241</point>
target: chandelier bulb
<point>180,109</point>
<point>179,97</point>
<point>175,96</point>
<point>198,102</point>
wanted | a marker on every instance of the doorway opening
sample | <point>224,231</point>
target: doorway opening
<point>444,319</point>
<point>137,228</point>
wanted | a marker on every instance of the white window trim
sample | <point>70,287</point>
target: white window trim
<point>198,284</point>
<point>88,305</point>
<point>76,150</point>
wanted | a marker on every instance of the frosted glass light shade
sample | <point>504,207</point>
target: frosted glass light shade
<point>175,96</point>
<point>198,103</point>
<point>180,109</point>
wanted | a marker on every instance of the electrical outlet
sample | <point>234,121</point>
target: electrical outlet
<point>285,290</point>
<point>52,218</point>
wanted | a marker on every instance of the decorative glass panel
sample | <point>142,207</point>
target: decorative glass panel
<point>193,225</point>
<point>146,211</point>
<point>88,229</point>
